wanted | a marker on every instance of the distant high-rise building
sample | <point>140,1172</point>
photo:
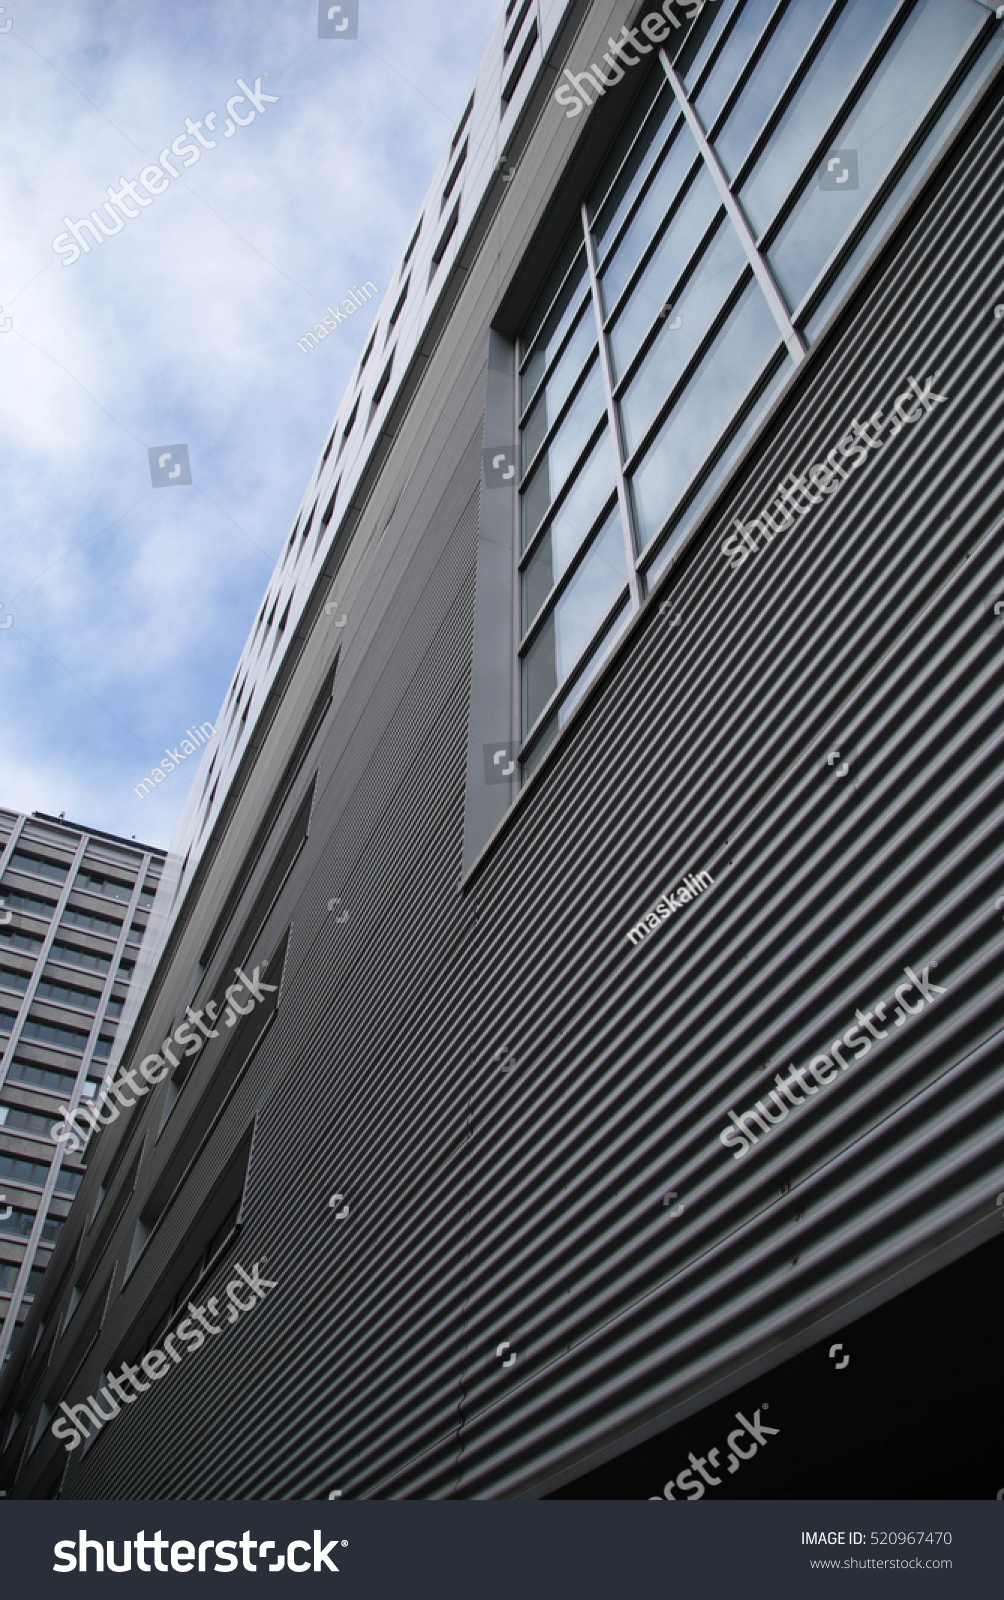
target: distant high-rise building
<point>74,903</point>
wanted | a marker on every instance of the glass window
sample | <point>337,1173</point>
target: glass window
<point>31,1122</point>
<point>577,513</point>
<point>669,179</point>
<point>633,156</point>
<point>723,11</point>
<point>575,618</point>
<point>562,453</point>
<point>703,411</point>
<point>736,52</point>
<point>770,76</point>
<point>722,467</point>
<point>20,1171</point>
<point>42,1077</point>
<point>38,865</point>
<point>550,322</point>
<point>658,281</point>
<point>813,107</point>
<point>558,387</point>
<point>682,331</point>
<point>911,176</point>
<point>892,104</point>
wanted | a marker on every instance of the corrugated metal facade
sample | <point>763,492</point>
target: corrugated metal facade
<point>505,1091</point>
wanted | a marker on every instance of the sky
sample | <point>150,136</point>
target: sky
<point>124,606</point>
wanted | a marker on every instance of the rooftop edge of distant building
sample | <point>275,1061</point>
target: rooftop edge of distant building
<point>99,833</point>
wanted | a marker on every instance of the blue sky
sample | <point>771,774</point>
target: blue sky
<point>130,604</point>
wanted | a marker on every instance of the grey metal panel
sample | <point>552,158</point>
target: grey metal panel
<point>871,632</point>
<point>492,699</point>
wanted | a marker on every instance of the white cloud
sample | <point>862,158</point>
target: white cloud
<point>182,327</point>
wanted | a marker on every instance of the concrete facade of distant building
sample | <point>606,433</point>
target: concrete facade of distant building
<point>73,909</point>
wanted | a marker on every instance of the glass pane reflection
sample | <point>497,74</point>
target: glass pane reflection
<point>752,20</point>
<point>768,79</point>
<point>684,234</point>
<point>558,387</point>
<point>666,185</point>
<point>694,310</point>
<point>599,581</point>
<point>890,108</point>
<point>561,454</point>
<point>815,103</point>
<point>703,411</point>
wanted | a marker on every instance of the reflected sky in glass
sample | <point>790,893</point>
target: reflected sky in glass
<point>814,105</point>
<point>703,411</point>
<point>561,454</point>
<point>892,105</point>
<point>674,250</point>
<point>705,292</point>
<point>666,185</point>
<point>558,387</point>
<point>750,24</point>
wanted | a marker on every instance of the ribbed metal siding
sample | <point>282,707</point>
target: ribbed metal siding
<point>527,1206</point>
<point>343,1107</point>
<point>869,631</point>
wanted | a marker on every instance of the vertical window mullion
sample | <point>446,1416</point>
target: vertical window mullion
<point>764,276</point>
<point>623,501</point>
